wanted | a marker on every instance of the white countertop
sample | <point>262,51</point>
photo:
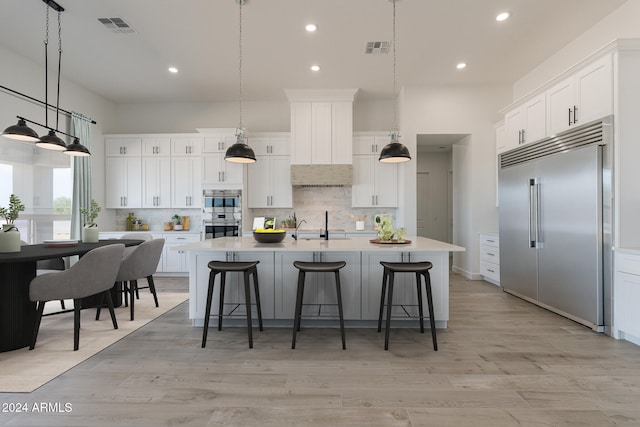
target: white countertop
<point>223,244</point>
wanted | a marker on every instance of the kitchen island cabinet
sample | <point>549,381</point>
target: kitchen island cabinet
<point>361,278</point>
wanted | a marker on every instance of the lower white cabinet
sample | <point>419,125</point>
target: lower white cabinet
<point>174,261</point>
<point>490,258</point>
<point>320,288</point>
<point>627,296</point>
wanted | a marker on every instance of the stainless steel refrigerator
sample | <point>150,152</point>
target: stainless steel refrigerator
<point>556,221</point>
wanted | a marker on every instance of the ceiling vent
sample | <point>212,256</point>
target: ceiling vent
<point>116,25</point>
<point>377,48</point>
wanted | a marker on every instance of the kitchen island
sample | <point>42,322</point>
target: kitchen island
<point>361,278</point>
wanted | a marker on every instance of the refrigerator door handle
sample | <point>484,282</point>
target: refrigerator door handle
<point>532,213</point>
<point>538,235</point>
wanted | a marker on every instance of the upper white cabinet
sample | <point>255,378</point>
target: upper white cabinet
<point>269,179</point>
<point>186,182</point>
<point>217,171</point>
<point>156,146</point>
<point>375,184</point>
<point>186,145</point>
<point>525,123</point>
<point>584,96</point>
<point>218,142</point>
<point>321,126</point>
<point>156,182</point>
<point>124,182</point>
<point>121,147</point>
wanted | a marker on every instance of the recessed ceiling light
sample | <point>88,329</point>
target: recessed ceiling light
<point>502,16</point>
<point>311,27</point>
<point>173,70</point>
<point>315,68</point>
<point>461,65</point>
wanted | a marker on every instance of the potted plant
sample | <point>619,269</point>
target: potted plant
<point>177,222</point>
<point>90,229</point>
<point>10,236</point>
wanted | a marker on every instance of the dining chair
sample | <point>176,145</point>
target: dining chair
<point>46,266</point>
<point>139,264</point>
<point>128,249</point>
<point>94,273</point>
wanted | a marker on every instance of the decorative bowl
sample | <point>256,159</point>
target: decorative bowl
<point>269,236</point>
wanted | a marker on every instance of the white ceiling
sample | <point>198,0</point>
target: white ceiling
<point>200,37</point>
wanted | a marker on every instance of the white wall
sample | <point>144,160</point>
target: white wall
<point>456,110</point>
<point>621,23</point>
<point>25,76</point>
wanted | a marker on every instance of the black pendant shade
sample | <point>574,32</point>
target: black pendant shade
<point>240,153</point>
<point>21,132</point>
<point>77,149</point>
<point>394,152</point>
<point>51,142</point>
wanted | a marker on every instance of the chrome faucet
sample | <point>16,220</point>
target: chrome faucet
<point>295,234</point>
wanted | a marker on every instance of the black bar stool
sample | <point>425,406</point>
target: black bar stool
<point>419,269</point>
<point>317,267</point>
<point>223,267</point>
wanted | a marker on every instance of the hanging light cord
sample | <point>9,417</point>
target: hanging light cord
<point>59,66</point>
<point>46,67</point>
<point>395,104</point>
<point>240,128</point>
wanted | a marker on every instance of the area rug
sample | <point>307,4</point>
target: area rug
<point>22,371</point>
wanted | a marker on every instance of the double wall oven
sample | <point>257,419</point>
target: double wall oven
<point>221,213</point>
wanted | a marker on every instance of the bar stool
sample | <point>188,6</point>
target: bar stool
<point>317,267</point>
<point>223,267</point>
<point>419,269</point>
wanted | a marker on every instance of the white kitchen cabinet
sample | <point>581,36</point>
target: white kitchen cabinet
<point>490,258</point>
<point>174,261</point>
<point>501,138</point>
<point>156,182</point>
<point>369,144</point>
<point>582,97</point>
<point>375,184</point>
<point>186,146</point>
<point>156,146</point>
<point>320,288</point>
<point>321,132</point>
<point>123,146</point>
<point>124,182</point>
<point>218,142</point>
<point>186,182</point>
<point>217,171</point>
<point>526,123</point>
<point>269,179</point>
<point>627,296</point>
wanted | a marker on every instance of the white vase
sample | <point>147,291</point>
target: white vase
<point>90,233</point>
<point>9,239</point>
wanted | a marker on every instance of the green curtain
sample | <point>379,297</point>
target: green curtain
<point>81,128</point>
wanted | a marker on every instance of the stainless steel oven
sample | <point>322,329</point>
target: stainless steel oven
<point>221,213</point>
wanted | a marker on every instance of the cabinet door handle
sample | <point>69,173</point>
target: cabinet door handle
<point>523,137</point>
<point>575,114</point>
<point>373,200</point>
<point>186,150</point>
<point>222,176</point>
<point>125,200</point>
<point>569,116</point>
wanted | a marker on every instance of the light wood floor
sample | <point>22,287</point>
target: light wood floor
<point>502,362</point>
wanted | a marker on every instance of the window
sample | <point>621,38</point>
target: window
<point>42,179</point>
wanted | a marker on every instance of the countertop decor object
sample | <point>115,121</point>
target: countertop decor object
<point>276,236</point>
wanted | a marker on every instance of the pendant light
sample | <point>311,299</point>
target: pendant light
<point>240,152</point>
<point>21,131</point>
<point>394,151</point>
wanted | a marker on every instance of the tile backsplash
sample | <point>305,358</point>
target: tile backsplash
<point>310,203</point>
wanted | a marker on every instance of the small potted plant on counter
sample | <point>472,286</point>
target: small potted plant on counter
<point>90,229</point>
<point>10,236</point>
<point>177,222</point>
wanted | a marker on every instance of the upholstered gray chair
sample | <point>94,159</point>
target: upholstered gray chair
<point>135,236</point>
<point>46,266</point>
<point>93,274</point>
<point>139,264</point>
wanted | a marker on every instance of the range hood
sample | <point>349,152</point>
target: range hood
<point>322,175</point>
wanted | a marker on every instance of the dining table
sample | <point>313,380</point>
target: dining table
<point>17,269</point>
